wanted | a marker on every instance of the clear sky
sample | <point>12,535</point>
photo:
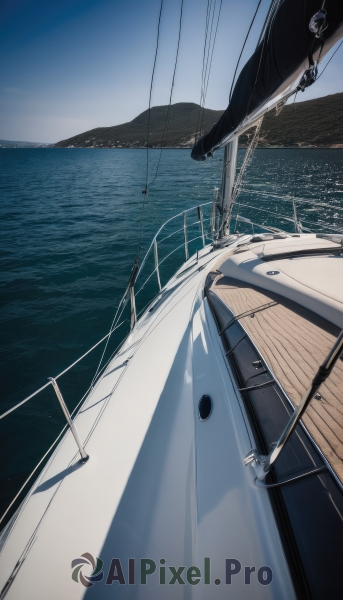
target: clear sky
<point>71,65</point>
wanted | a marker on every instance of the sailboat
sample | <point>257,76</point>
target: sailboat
<point>207,459</point>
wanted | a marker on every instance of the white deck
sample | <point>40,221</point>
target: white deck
<point>313,281</point>
<point>159,482</point>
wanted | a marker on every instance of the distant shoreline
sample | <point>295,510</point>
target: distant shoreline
<point>312,124</point>
<point>53,147</point>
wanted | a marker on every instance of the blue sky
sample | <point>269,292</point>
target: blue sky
<point>72,65</point>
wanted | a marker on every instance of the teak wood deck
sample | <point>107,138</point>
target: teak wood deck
<point>293,342</point>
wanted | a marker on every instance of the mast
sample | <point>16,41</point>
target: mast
<point>228,180</point>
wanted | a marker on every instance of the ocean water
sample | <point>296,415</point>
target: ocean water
<point>70,223</point>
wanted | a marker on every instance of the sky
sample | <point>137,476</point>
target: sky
<point>72,65</point>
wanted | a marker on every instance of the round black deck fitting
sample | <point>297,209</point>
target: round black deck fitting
<point>205,407</point>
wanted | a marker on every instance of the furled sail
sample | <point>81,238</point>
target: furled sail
<point>296,34</point>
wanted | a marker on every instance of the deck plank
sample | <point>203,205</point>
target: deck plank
<point>294,342</point>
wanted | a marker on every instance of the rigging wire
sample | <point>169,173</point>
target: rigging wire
<point>206,54</point>
<point>150,93</point>
<point>144,192</point>
<point>166,125</point>
<point>207,62</point>
<point>215,36</point>
<point>253,144</point>
<point>256,78</point>
<point>210,65</point>
<point>209,3</point>
<point>330,59</point>
<point>208,12</point>
<point>244,44</point>
<point>209,46</point>
<point>246,162</point>
<point>116,318</point>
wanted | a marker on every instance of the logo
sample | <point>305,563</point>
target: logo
<point>87,580</point>
<point>139,571</point>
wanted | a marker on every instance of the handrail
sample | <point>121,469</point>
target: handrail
<point>60,374</point>
<point>267,227</point>
<point>267,211</point>
<point>181,229</point>
<point>129,290</point>
<point>170,235</point>
<point>115,326</point>
<point>257,208</point>
<point>165,258</point>
<point>154,244</point>
<point>291,198</point>
<point>41,460</point>
<point>162,227</point>
<point>72,426</point>
<point>265,462</point>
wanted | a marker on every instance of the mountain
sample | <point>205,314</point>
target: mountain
<point>313,123</point>
<point>182,127</point>
<point>10,144</point>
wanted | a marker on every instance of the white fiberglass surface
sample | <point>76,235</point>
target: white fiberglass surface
<point>235,521</point>
<point>312,281</point>
<point>159,484</point>
<point>324,274</point>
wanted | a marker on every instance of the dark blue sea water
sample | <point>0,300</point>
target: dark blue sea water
<point>69,232</point>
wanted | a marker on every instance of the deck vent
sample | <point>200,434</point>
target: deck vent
<point>205,408</point>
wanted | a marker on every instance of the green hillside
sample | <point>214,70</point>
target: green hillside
<point>182,126</point>
<point>316,122</point>
<point>313,123</point>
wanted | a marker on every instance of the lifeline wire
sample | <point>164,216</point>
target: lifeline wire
<point>60,374</point>
<point>59,435</point>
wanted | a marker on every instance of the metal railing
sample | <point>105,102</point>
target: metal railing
<point>207,234</point>
<point>298,207</point>
<point>129,294</point>
<point>130,290</point>
<point>154,247</point>
<point>156,242</point>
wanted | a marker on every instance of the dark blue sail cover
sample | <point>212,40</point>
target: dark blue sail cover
<point>285,45</point>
